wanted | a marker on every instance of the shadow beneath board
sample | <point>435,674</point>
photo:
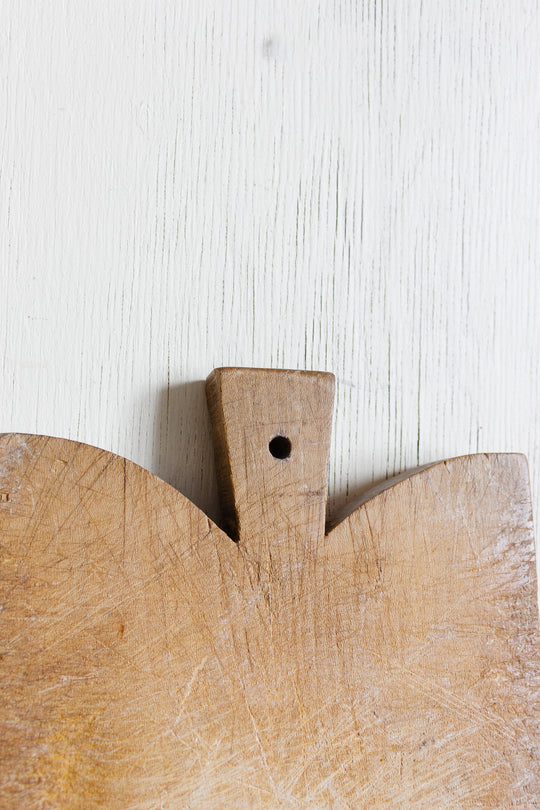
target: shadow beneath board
<point>183,455</point>
<point>361,494</point>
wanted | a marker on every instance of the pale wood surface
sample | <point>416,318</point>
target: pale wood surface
<point>345,185</point>
<point>149,661</point>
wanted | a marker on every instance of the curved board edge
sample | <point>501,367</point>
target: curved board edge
<point>16,446</point>
<point>335,521</point>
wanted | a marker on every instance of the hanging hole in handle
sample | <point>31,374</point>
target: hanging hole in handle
<point>280,447</point>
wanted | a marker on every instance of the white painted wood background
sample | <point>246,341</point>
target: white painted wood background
<point>347,185</point>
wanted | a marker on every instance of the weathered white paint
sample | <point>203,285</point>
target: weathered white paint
<point>341,185</point>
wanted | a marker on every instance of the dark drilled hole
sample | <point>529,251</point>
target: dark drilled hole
<point>280,447</point>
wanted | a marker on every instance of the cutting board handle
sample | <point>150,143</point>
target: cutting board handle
<point>271,432</point>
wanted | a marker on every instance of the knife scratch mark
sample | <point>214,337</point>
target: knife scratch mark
<point>189,688</point>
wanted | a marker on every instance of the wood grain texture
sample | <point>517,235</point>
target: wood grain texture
<point>149,661</point>
<point>348,185</point>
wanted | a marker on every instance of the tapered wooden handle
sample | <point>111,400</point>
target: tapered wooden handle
<point>271,432</point>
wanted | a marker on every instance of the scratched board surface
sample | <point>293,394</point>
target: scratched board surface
<point>346,185</point>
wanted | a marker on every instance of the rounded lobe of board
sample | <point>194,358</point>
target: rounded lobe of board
<point>108,579</point>
<point>440,573</point>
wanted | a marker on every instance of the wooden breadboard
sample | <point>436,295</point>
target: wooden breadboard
<point>148,661</point>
